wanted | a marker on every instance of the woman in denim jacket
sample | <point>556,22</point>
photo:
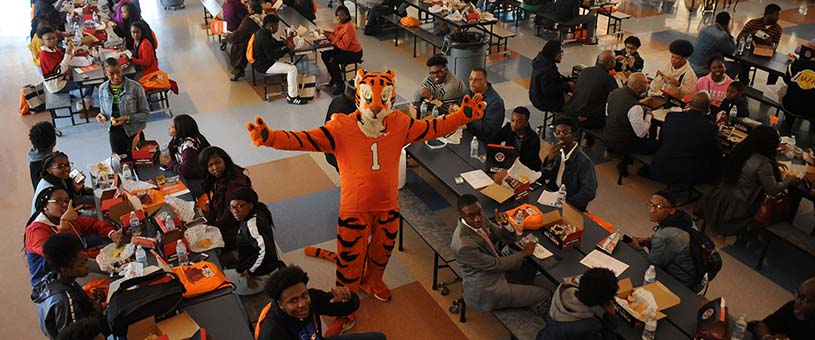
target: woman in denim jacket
<point>124,103</point>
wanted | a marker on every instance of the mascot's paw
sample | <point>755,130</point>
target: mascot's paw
<point>473,107</point>
<point>259,131</point>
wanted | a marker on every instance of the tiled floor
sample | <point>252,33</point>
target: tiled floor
<point>293,182</point>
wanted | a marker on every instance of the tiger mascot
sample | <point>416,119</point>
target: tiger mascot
<point>367,144</point>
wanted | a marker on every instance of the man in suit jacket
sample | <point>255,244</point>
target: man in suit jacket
<point>483,268</point>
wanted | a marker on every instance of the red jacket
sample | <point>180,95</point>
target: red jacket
<point>145,57</point>
<point>345,37</point>
<point>38,231</point>
<point>53,63</point>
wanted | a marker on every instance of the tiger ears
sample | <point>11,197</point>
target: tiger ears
<point>360,73</point>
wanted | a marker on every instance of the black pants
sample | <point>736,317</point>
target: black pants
<point>121,143</point>
<point>332,60</point>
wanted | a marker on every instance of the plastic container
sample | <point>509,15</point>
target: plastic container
<point>474,148</point>
<point>561,195</point>
<point>650,275</point>
<point>141,255</point>
<point>181,253</point>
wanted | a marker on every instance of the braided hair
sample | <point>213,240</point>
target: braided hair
<point>42,201</point>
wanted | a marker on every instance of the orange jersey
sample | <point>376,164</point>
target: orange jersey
<point>369,167</point>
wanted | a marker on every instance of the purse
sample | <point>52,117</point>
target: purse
<point>200,278</point>
<point>306,86</point>
<point>156,294</point>
<point>773,209</point>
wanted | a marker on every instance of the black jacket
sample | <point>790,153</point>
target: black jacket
<point>639,63</point>
<point>566,10</point>
<point>800,79</point>
<point>591,92</point>
<point>742,108</point>
<point>281,326</point>
<point>689,150</point>
<point>547,87</point>
<point>256,248</point>
<point>529,151</point>
<point>59,304</point>
<point>267,50</point>
<point>579,177</point>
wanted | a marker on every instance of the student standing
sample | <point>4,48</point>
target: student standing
<point>123,103</point>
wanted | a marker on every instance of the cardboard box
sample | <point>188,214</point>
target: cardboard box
<point>120,212</point>
<point>152,200</point>
<point>179,327</point>
<point>763,50</point>
<point>145,153</point>
<point>664,298</point>
<point>570,216</point>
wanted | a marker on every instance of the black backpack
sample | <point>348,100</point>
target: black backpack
<point>156,294</point>
<point>706,257</point>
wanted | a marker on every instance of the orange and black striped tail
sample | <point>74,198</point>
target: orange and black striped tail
<point>321,253</point>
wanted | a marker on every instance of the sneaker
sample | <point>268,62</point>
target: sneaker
<point>341,325</point>
<point>236,77</point>
<point>383,294</point>
<point>296,101</point>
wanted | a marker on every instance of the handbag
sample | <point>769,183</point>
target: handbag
<point>773,209</point>
<point>155,294</point>
<point>200,278</point>
<point>306,86</point>
<point>34,96</point>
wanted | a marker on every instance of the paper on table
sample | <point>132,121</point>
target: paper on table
<point>184,209</point>
<point>519,171</point>
<point>541,252</point>
<point>799,170</point>
<point>477,179</point>
<point>497,192</point>
<point>301,30</point>
<point>80,61</point>
<point>549,198</point>
<point>136,185</point>
<point>597,259</point>
<point>660,114</point>
<point>455,137</point>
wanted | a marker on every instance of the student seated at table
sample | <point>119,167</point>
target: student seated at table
<point>735,99</point>
<point>185,144</point>
<point>519,135</point>
<point>257,251</point>
<point>689,151</point>
<point>347,49</point>
<point>768,24</point>
<point>628,59</point>
<point>60,299</point>
<point>669,246</point>
<point>547,88</point>
<point>267,51</point>
<point>56,72</point>
<point>122,101</point>
<point>82,329</point>
<point>568,12</point>
<point>715,83</point>
<point>568,165</point>
<point>234,11</point>
<point>43,137</point>
<point>118,16</point>
<point>628,125</point>
<point>130,14</point>
<point>571,315</point>
<point>144,49</point>
<point>56,172</point>
<point>45,14</point>
<point>795,320</point>
<point>487,126</point>
<point>294,310</point>
<point>678,76</point>
<point>588,104</point>
<point>484,270</point>
<point>239,38</point>
<point>714,42</point>
<point>56,213</point>
<point>440,83</point>
<point>750,171</point>
<point>800,92</point>
<point>222,177</point>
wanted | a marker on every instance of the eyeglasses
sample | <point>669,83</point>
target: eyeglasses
<point>433,73</point>
<point>60,201</point>
<point>561,133</point>
<point>658,206</point>
<point>237,206</point>
<point>63,166</point>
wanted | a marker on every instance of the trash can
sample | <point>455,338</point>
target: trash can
<point>465,51</point>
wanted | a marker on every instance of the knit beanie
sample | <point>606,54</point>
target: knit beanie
<point>681,47</point>
<point>245,194</point>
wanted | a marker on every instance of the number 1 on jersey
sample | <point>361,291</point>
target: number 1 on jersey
<point>375,157</point>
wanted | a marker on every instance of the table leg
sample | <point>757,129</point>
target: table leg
<point>763,253</point>
<point>435,271</point>
<point>401,233</point>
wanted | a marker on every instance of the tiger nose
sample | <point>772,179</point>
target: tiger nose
<point>376,109</point>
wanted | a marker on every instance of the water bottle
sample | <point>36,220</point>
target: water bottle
<point>740,329</point>
<point>169,224</point>
<point>734,112</point>
<point>181,253</point>
<point>114,162</point>
<point>519,220</point>
<point>650,275</point>
<point>650,329</point>
<point>141,255</point>
<point>69,20</point>
<point>135,229</point>
<point>740,47</point>
<point>748,44</point>
<point>423,110</point>
<point>126,174</point>
<point>474,148</point>
<point>77,34</point>
<point>561,195</point>
<point>435,112</point>
<point>95,19</point>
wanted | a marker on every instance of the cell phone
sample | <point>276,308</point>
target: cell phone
<point>77,176</point>
<point>162,168</point>
<point>627,239</point>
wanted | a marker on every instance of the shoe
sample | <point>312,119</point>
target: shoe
<point>341,325</point>
<point>622,168</point>
<point>590,42</point>
<point>296,101</point>
<point>383,294</point>
<point>236,77</point>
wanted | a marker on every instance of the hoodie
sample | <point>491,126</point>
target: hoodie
<point>35,158</point>
<point>279,325</point>
<point>59,304</point>
<point>669,248</point>
<point>570,319</point>
<point>547,87</point>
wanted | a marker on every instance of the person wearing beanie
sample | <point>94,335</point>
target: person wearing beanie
<point>257,251</point>
<point>714,42</point>
<point>677,76</point>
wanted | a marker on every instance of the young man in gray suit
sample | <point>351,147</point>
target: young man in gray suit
<point>484,269</point>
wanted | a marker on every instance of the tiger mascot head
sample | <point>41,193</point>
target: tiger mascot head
<point>375,98</point>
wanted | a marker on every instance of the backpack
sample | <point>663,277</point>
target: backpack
<point>155,294</point>
<point>706,257</point>
<point>200,278</point>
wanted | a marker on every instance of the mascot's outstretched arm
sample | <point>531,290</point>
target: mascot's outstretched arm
<point>471,109</point>
<point>319,139</point>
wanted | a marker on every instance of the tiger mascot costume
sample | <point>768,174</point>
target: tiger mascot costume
<point>367,144</point>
